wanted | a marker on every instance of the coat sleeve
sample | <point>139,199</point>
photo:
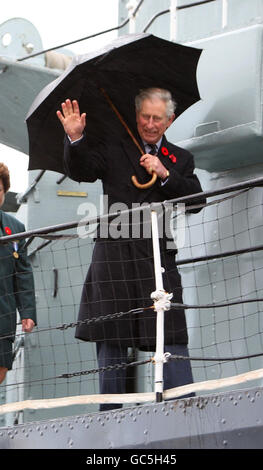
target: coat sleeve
<point>83,162</point>
<point>24,285</point>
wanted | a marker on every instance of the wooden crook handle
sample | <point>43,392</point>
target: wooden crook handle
<point>146,185</point>
<point>134,179</point>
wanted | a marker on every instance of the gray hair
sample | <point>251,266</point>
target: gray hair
<point>152,93</point>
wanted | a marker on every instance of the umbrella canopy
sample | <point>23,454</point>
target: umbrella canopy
<point>125,66</point>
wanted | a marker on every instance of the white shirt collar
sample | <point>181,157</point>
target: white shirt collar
<point>157,144</point>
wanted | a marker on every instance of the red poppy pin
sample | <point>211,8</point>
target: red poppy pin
<point>165,152</point>
<point>8,231</point>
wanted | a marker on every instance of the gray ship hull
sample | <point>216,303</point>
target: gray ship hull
<point>228,420</point>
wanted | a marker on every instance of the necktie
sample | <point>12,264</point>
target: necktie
<point>154,149</point>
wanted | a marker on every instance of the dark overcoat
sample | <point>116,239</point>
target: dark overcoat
<point>121,274</point>
<point>16,279</point>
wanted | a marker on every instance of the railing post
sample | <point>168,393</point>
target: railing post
<point>224,13</point>
<point>173,20</point>
<point>161,302</point>
<point>131,7</point>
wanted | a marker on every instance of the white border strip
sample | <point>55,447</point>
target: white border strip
<point>131,397</point>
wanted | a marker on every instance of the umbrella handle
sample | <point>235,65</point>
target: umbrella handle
<point>146,185</point>
<point>134,179</point>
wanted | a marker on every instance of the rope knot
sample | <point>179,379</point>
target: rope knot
<point>162,300</point>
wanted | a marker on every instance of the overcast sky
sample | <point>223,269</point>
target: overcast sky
<point>58,22</point>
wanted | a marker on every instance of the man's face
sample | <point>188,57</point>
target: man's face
<point>2,193</point>
<point>152,120</point>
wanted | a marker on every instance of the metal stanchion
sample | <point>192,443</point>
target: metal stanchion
<point>161,303</point>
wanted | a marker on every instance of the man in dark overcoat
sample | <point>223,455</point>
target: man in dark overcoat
<point>17,291</point>
<point>121,274</point>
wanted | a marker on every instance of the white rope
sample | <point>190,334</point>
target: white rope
<point>131,397</point>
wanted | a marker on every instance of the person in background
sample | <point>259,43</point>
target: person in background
<point>16,282</point>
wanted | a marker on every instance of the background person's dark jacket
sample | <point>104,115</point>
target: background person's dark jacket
<point>16,279</point>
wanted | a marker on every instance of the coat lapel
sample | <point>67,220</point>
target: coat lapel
<point>8,223</point>
<point>166,161</point>
<point>1,224</point>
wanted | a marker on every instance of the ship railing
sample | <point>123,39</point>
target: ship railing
<point>134,9</point>
<point>162,303</point>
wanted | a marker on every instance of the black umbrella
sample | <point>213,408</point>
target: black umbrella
<point>113,74</point>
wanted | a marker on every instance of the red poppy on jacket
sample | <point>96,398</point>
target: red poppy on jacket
<point>8,231</point>
<point>172,157</point>
<point>165,151</point>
